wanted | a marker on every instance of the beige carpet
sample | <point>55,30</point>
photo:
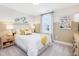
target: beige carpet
<point>54,50</point>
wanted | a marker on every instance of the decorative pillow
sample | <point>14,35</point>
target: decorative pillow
<point>25,32</point>
<point>28,32</point>
<point>43,40</point>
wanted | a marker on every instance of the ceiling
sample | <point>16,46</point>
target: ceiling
<point>31,9</point>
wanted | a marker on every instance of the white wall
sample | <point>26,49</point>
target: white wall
<point>67,11</point>
<point>10,14</point>
<point>35,19</point>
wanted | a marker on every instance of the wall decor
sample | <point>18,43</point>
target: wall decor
<point>20,23</point>
<point>21,20</point>
<point>65,22</point>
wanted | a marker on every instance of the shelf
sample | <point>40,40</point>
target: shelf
<point>8,45</point>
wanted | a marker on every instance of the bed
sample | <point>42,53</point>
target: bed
<point>32,43</point>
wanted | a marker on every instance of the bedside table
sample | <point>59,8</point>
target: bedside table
<point>7,40</point>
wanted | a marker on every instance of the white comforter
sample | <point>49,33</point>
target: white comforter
<point>31,43</point>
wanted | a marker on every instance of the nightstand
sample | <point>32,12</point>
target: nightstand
<point>7,40</point>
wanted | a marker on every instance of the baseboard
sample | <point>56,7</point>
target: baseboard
<point>65,43</point>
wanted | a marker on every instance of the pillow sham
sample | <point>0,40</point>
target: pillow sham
<point>25,32</point>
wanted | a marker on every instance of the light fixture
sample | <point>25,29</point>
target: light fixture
<point>36,3</point>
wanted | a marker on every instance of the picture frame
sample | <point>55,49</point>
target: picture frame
<point>65,22</point>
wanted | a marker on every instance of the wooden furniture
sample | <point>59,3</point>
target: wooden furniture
<point>7,40</point>
<point>76,44</point>
<point>75,30</point>
<point>75,26</point>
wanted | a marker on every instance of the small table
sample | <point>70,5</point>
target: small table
<point>7,40</point>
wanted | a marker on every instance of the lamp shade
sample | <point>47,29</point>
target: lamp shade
<point>10,26</point>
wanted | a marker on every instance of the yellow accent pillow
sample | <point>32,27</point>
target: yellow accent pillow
<point>28,32</point>
<point>25,32</point>
<point>43,39</point>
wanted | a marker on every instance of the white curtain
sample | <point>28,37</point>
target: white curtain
<point>47,23</point>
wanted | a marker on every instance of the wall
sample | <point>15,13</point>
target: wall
<point>64,35</point>
<point>35,21</point>
<point>8,14</point>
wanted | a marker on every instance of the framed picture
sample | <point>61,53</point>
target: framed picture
<point>65,22</point>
